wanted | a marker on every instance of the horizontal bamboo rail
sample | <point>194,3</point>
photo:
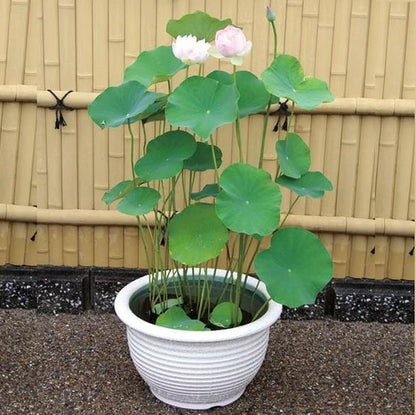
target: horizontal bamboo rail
<point>340,106</point>
<point>80,217</point>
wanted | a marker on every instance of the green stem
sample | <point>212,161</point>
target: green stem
<point>274,39</point>
<point>144,138</point>
<point>263,136</point>
<point>237,123</point>
<point>214,159</point>
<point>288,212</point>
<point>133,173</point>
<point>291,117</point>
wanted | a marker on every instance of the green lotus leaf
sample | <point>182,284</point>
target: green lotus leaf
<point>176,318</point>
<point>253,94</point>
<point>294,156</point>
<point>285,78</point>
<point>209,190</point>
<point>153,66</point>
<point>295,268</point>
<point>313,184</point>
<point>202,104</point>
<point>139,201</point>
<point>165,155</point>
<point>156,111</point>
<point>120,189</point>
<point>196,234</point>
<point>202,159</point>
<point>223,315</point>
<point>199,24</point>
<point>249,201</point>
<point>121,104</point>
<point>164,305</point>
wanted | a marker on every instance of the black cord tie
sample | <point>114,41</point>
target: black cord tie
<point>58,107</point>
<point>282,114</point>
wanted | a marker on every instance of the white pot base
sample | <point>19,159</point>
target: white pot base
<point>198,405</point>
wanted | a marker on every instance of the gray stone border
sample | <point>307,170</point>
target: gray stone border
<point>52,289</point>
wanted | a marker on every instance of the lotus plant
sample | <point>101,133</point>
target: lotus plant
<point>237,215</point>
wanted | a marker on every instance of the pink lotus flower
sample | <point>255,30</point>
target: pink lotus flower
<point>190,50</point>
<point>231,43</point>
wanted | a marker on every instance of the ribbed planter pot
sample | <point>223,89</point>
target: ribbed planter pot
<point>194,369</point>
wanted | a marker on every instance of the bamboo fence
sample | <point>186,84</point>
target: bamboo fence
<point>363,141</point>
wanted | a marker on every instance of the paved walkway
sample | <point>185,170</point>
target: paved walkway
<point>79,364</point>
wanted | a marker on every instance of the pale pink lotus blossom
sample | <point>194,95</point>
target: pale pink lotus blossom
<point>190,50</point>
<point>231,43</point>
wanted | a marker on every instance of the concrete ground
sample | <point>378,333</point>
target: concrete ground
<point>79,364</point>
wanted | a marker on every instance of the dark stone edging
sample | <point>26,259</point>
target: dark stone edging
<point>52,289</point>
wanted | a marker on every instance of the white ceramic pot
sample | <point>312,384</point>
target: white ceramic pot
<point>194,369</point>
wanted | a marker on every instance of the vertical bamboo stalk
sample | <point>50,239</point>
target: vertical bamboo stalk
<point>100,82</point>
<point>401,193</point>
<point>259,60</point>
<point>354,87</point>
<point>23,180</point>
<point>53,137</point>
<point>303,123</point>
<point>10,129</point>
<point>116,135</point>
<point>320,124</point>
<point>42,235</point>
<point>389,134</point>
<point>67,58</point>
<point>337,85</point>
<point>84,49</point>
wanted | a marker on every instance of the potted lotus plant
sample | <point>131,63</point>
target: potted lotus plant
<point>198,334</point>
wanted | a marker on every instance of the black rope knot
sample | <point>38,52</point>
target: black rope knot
<point>282,115</point>
<point>58,107</point>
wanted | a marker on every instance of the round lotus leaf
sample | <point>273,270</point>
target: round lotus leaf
<point>285,78</point>
<point>209,190</point>
<point>295,268</point>
<point>139,201</point>
<point>313,184</point>
<point>294,156</point>
<point>224,314</point>
<point>202,104</point>
<point>165,155</point>
<point>196,234</point>
<point>117,191</point>
<point>176,318</point>
<point>249,201</point>
<point>198,24</point>
<point>121,104</point>
<point>253,94</point>
<point>202,159</point>
<point>154,66</point>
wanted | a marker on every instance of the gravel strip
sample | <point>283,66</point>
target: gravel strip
<point>79,364</point>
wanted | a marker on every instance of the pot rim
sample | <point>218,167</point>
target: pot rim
<point>126,315</point>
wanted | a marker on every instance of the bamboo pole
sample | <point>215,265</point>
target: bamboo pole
<point>322,70</point>
<point>362,153</point>
<point>100,82</point>
<point>51,65</point>
<point>339,64</point>
<point>68,78</point>
<point>117,154</point>
<point>83,217</point>
<point>84,49</point>
<point>386,107</point>
<point>10,128</point>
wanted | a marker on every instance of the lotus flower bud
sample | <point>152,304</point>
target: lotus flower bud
<point>270,15</point>
<point>190,50</point>
<point>231,43</point>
